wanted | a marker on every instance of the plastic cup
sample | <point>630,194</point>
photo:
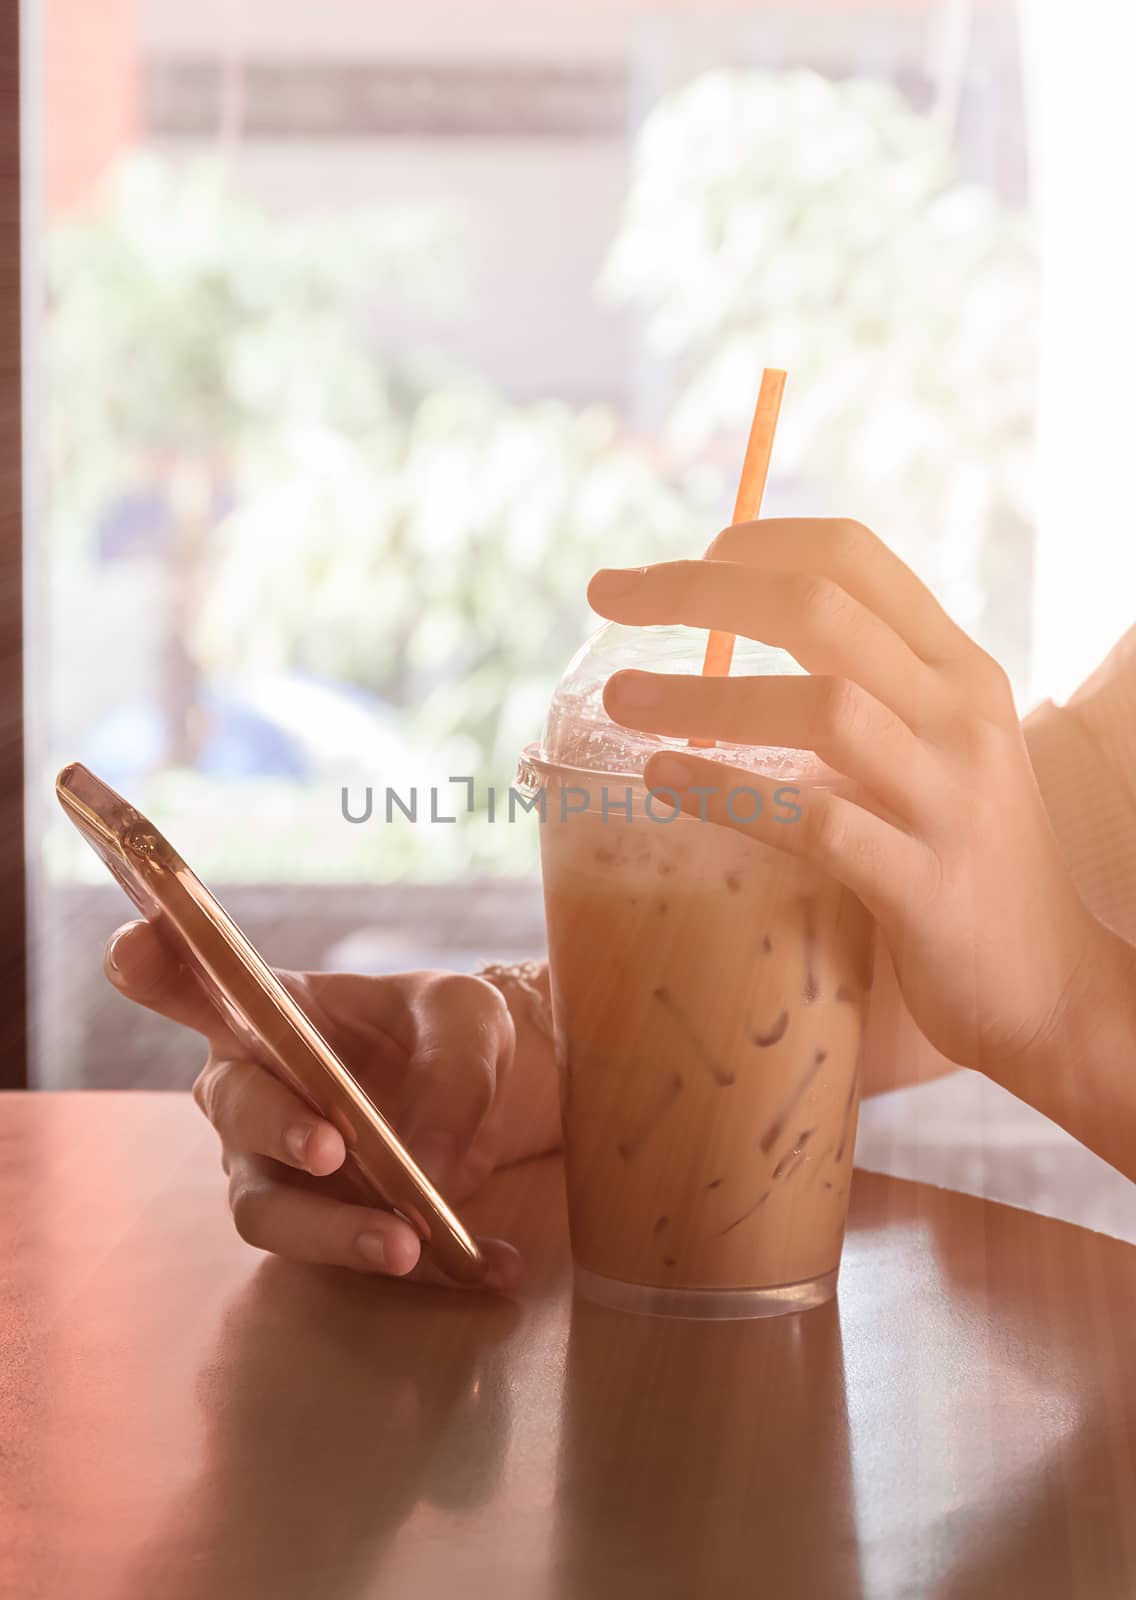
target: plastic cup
<point>708,992</point>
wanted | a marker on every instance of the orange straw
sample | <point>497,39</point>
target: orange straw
<point>747,507</point>
<point>751,492</point>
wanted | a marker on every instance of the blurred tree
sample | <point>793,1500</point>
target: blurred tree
<point>448,576</point>
<point>780,219</point>
<point>189,336</point>
<point>389,524</point>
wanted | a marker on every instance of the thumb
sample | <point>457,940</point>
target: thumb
<point>461,1055</point>
<point>143,969</point>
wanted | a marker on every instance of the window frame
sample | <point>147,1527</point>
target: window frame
<point>13,868</point>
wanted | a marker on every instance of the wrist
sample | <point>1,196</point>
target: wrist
<point>530,1123</point>
<point>524,987</point>
<point>1099,1013</point>
<point>1086,1058</point>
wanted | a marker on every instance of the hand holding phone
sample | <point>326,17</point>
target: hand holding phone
<point>250,1015</point>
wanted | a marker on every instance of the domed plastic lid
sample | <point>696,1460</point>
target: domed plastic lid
<point>579,734</point>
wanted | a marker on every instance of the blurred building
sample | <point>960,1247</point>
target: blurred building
<point>514,114</point>
<point>92,92</point>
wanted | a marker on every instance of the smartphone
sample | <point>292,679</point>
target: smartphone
<point>262,1014</point>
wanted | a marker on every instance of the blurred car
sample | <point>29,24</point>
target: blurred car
<point>260,725</point>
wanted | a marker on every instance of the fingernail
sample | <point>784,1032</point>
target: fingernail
<point>636,691</point>
<point>505,1274</point>
<point>436,1153</point>
<point>373,1248</point>
<point>296,1142</point>
<point>394,1252</point>
<point>618,580</point>
<point>672,772</point>
<point>111,958</point>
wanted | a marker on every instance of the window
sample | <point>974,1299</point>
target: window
<point>367,332</point>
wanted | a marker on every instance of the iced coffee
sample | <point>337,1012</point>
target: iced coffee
<point>708,995</point>
<point>708,998</point>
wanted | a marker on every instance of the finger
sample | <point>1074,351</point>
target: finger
<point>825,628</point>
<point>504,1268</point>
<point>461,1056</point>
<point>880,863</point>
<point>302,1225</point>
<point>861,563</point>
<point>412,1043</point>
<point>142,968</point>
<point>366,1015</point>
<point>848,728</point>
<point>255,1114</point>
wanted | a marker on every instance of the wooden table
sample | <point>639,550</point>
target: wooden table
<point>184,1419</point>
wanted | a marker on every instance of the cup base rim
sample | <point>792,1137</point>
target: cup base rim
<point>705,1305</point>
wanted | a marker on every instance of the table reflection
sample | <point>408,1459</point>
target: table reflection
<point>701,1458</point>
<point>326,1423</point>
